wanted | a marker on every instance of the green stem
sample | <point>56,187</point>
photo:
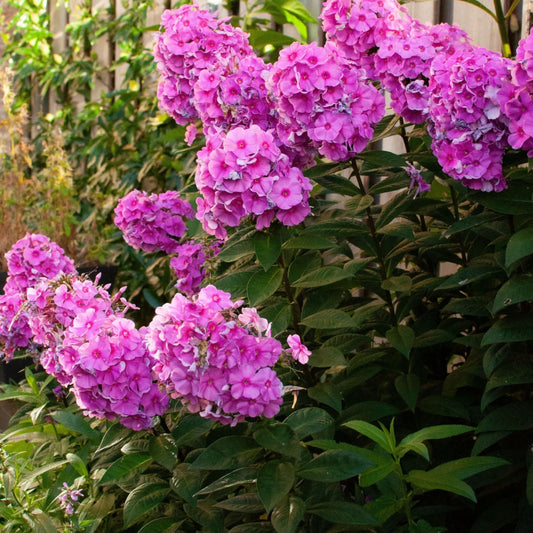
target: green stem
<point>377,242</point>
<point>457,217</point>
<point>295,307</point>
<point>502,28</point>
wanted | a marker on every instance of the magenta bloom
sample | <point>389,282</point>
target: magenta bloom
<point>216,363</point>
<point>153,222</point>
<point>323,101</point>
<point>192,42</point>
<point>244,173</point>
<point>298,351</point>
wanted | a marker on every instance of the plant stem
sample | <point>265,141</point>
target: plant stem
<point>375,238</point>
<point>164,424</point>
<point>295,307</point>
<point>502,28</point>
<point>458,217</point>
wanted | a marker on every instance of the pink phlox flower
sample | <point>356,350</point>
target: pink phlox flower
<point>250,316</point>
<point>298,351</point>
<point>417,180</point>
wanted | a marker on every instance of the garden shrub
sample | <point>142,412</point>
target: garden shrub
<point>388,300</point>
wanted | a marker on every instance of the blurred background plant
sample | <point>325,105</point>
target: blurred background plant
<point>36,196</point>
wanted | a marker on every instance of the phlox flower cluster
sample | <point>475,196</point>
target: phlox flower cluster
<point>15,331</point>
<point>391,47</point>
<point>403,62</point>
<point>358,28</point>
<point>217,362</point>
<point>189,265</point>
<point>153,222</point>
<point>68,498</point>
<point>244,174</point>
<point>323,101</point>
<point>89,346</point>
<point>516,98</point>
<point>193,40</point>
<point>468,128</point>
<point>31,258</point>
<point>233,93</point>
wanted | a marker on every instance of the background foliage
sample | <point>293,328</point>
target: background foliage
<point>415,411</point>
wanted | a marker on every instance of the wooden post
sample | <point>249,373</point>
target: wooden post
<point>58,23</point>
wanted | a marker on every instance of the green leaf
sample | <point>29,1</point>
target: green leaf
<point>303,264</point>
<point>242,503</point>
<point>377,473</point>
<point>274,482</point>
<point>228,452</point>
<point>206,514</point>
<point>340,512</point>
<point>469,466</point>
<point>267,248</point>
<point>113,437</point>
<point>261,38</point>
<point>236,478</point>
<point>529,485</point>
<point>467,275</point>
<point>520,245</point>
<point>329,319</point>
<point>164,452</point>
<point>327,394</point>
<point>252,527</point>
<point>237,250</point>
<point>327,356</point>
<point>190,429</point>
<point>151,297</point>
<point>186,482</point>
<point>432,337</point>
<point>125,466</point>
<point>468,307</point>
<point>77,464</point>
<point>309,421</point>
<point>516,328</point>
<point>517,289</point>
<point>444,406</point>
<point>279,315</point>
<point>30,477</point>
<point>43,523</point>
<point>440,481</point>
<point>338,184</point>
<point>358,204</point>
<point>372,432</point>
<point>381,159</point>
<point>334,465</point>
<point>76,423</point>
<point>287,515</point>
<point>159,525</point>
<point>279,438</point>
<point>142,499</point>
<point>518,370</point>
<point>402,338</point>
<point>434,432</point>
<point>309,242</point>
<point>511,417</point>
<point>264,284</point>
<point>401,283</point>
<point>515,200</point>
<point>322,276</point>
<point>235,283</point>
<point>408,387</point>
